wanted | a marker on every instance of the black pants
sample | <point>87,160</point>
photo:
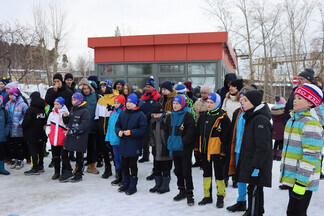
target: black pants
<point>104,148</point>
<point>66,161</point>
<point>2,150</point>
<point>278,144</point>
<point>36,151</point>
<point>16,150</point>
<point>219,166</point>
<point>182,170</point>
<point>129,166</point>
<point>298,207</point>
<point>256,198</point>
<point>91,149</point>
<point>162,168</point>
<point>146,147</point>
<point>56,155</point>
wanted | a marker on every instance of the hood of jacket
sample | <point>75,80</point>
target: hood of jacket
<point>262,109</point>
<point>228,78</point>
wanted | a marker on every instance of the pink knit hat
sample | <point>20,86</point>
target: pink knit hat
<point>281,101</point>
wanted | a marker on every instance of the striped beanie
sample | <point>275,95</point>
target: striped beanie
<point>181,88</point>
<point>311,93</point>
<point>79,97</point>
<point>180,99</point>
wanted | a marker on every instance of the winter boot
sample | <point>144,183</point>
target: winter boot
<point>158,183</point>
<point>321,176</point>
<point>56,176</point>
<point>119,178</point>
<point>190,199</point>
<point>150,177</point>
<point>274,153</point>
<point>77,177</point>
<point>3,171</point>
<point>207,191</point>
<point>279,153</point>
<point>92,169</point>
<point>75,169</point>
<point>33,171</point>
<point>182,195</point>
<point>40,169</point>
<point>239,206</point>
<point>51,164</point>
<point>107,172</point>
<point>125,186</point>
<point>165,185</point>
<point>100,161</point>
<point>66,176</point>
<point>132,186</point>
<point>220,202</point>
<point>20,164</point>
<point>13,164</point>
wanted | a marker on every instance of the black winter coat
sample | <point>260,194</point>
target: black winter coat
<point>289,106</point>
<point>78,124</point>
<point>256,149</point>
<point>63,92</point>
<point>35,120</point>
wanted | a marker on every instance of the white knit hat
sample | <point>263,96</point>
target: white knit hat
<point>206,88</point>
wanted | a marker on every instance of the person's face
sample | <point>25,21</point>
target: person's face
<point>156,115</point>
<point>57,105</point>
<point>7,90</point>
<point>117,105</point>
<point>2,86</point>
<point>149,89</point>
<point>125,90</point>
<point>69,82</point>
<point>103,88</point>
<point>210,105</point>
<point>129,105</point>
<point>74,101</point>
<point>176,106</point>
<point>301,103</point>
<point>204,95</point>
<point>301,81</point>
<point>119,86</point>
<point>10,97</point>
<point>246,104</point>
<point>165,91</point>
<point>86,90</point>
<point>232,90</point>
<point>58,83</point>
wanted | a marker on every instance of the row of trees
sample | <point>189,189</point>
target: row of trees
<point>277,38</point>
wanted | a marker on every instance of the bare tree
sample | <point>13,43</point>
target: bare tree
<point>81,65</point>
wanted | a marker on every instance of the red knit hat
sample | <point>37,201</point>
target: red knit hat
<point>188,84</point>
<point>120,99</point>
<point>311,93</point>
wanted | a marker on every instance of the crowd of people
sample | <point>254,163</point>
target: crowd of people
<point>229,132</point>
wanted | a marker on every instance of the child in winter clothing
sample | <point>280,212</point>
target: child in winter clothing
<point>255,161</point>
<point>16,108</point>
<point>214,135</point>
<point>303,142</point>
<point>55,130</point>
<point>5,127</point>
<point>34,134</point>
<point>157,139</point>
<point>76,137</point>
<point>181,135</point>
<point>131,126</point>
<point>113,139</point>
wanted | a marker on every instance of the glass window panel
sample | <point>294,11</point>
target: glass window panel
<point>139,69</point>
<point>111,70</point>
<point>200,81</point>
<point>172,68</point>
<point>137,83</point>
<point>201,68</point>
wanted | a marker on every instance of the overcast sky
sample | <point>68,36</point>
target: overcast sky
<point>99,18</point>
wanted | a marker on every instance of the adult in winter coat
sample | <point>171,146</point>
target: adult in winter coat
<point>119,86</point>
<point>76,138</point>
<point>34,134</point>
<point>16,108</point>
<point>181,137</point>
<point>150,97</point>
<point>68,79</point>
<point>231,102</point>
<point>168,94</point>
<point>225,89</point>
<point>91,98</point>
<point>5,127</point>
<point>213,130</point>
<point>59,89</point>
<point>255,162</point>
<point>55,130</point>
<point>131,126</point>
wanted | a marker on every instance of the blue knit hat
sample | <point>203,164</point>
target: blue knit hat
<point>79,97</point>
<point>60,100</point>
<point>216,99</point>
<point>167,85</point>
<point>108,85</point>
<point>180,99</point>
<point>181,88</point>
<point>132,98</point>
<point>150,82</point>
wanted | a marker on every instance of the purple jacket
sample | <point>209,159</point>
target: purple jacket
<point>19,110</point>
<point>278,123</point>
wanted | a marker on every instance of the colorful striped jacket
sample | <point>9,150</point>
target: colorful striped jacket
<point>302,151</point>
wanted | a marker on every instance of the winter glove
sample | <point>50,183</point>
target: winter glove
<point>255,173</point>
<point>298,191</point>
<point>110,107</point>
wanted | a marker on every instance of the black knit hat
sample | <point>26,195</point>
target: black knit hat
<point>68,76</point>
<point>5,80</point>
<point>167,85</point>
<point>238,84</point>
<point>308,74</point>
<point>58,76</point>
<point>255,97</point>
<point>157,108</point>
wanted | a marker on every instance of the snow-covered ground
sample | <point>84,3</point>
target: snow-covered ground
<point>40,195</point>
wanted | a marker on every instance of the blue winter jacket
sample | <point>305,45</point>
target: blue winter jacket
<point>3,94</point>
<point>4,127</point>
<point>135,121</point>
<point>92,104</point>
<point>111,135</point>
